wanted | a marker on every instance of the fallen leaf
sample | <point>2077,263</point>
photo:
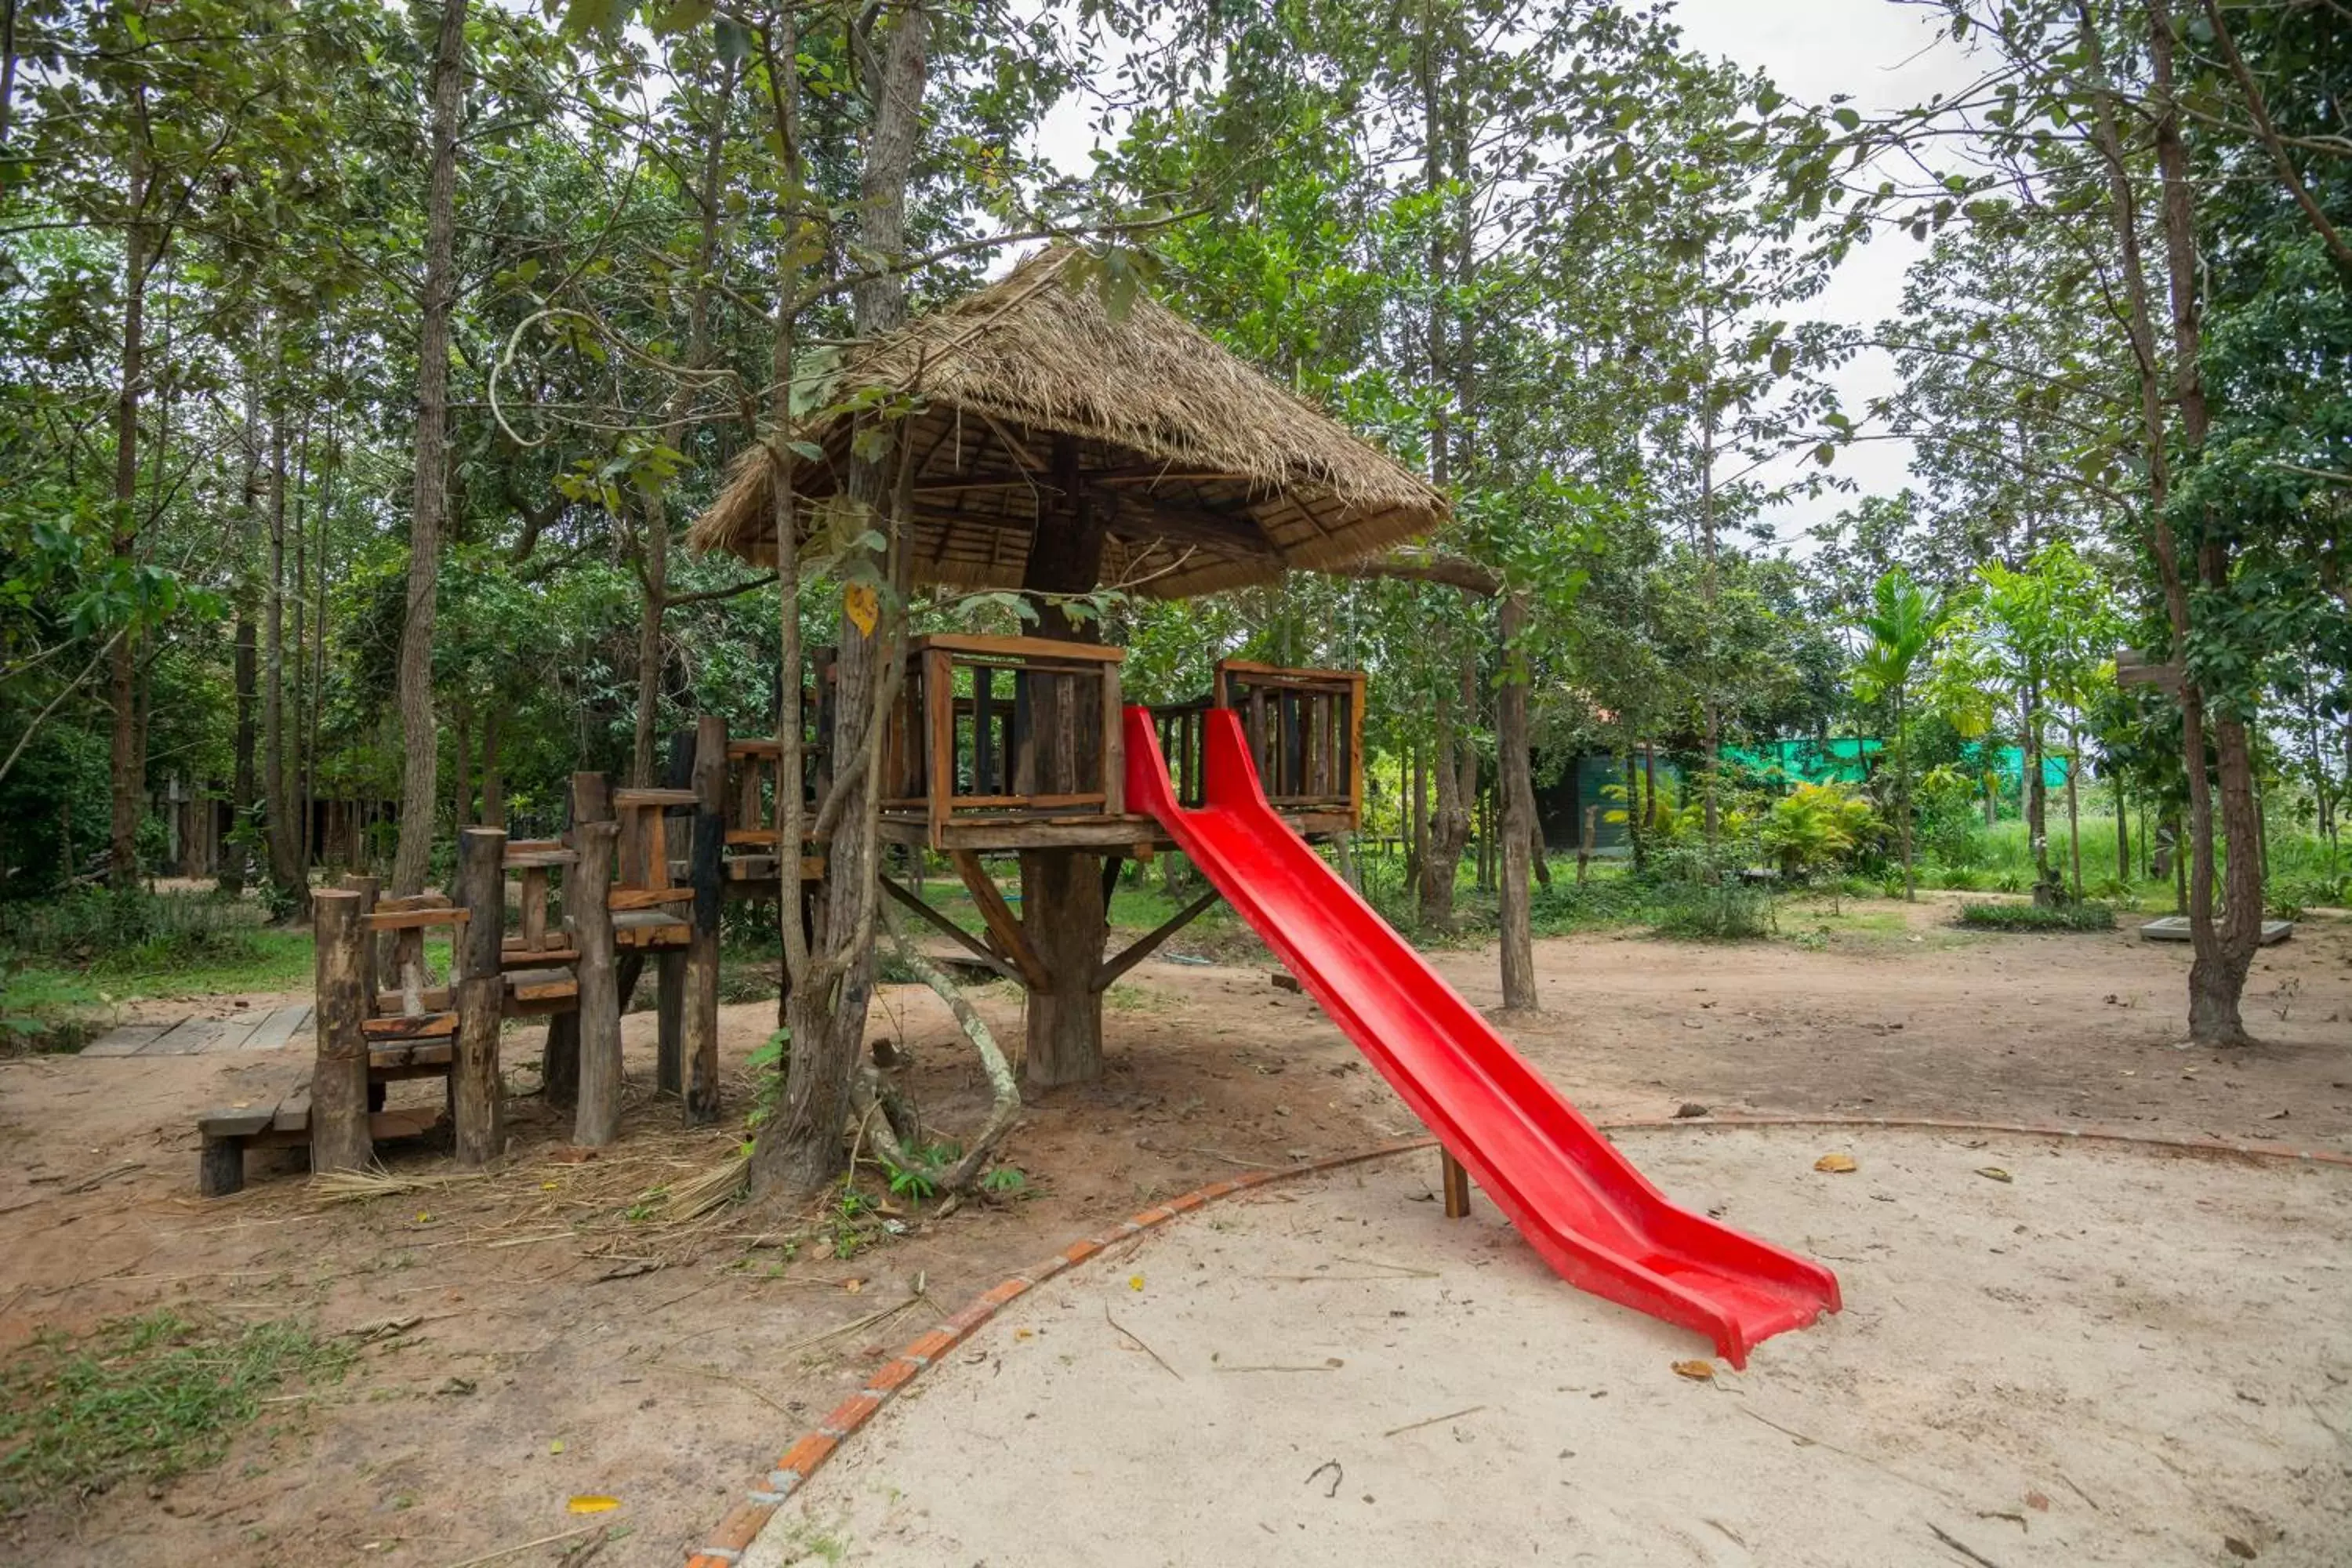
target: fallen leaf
<point>2237,1548</point>
<point>1688,1108</point>
<point>1135,1281</point>
<point>1836,1164</point>
<point>2038,1501</point>
<point>556,1447</point>
<point>424,1218</point>
<point>1994,1173</point>
<point>854,1284</point>
<point>1025,1334</point>
<point>1696,1371</point>
<point>593,1504</point>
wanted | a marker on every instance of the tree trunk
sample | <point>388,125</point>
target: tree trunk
<point>803,1150</point>
<point>461,783</point>
<point>1635,838</point>
<point>1449,824</point>
<point>245,789</point>
<point>283,836</point>
<point>2122,832</point>
<point>430,495</point>
<point>2217,975</point>
<point>1518,828</point>
<point>1903,800</point>
<point>650,643</point>
<point>126,785</point>
<point>2073,812</point>
<point>2037,788</point>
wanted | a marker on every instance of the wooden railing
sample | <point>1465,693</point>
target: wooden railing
<point>1305,727</point>
<point>1010,728</point>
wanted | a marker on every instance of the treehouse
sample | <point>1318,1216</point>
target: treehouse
<point>1052,445</point>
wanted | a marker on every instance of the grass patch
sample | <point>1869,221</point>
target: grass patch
<point>1726,910</point>
<point>148,1397</point>
<point>2038,917</point>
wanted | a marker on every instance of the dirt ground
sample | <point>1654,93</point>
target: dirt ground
<point>568,1340</point>
<point>2026,1368</point>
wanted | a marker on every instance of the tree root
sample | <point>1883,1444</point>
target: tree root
<point>874,1090</point>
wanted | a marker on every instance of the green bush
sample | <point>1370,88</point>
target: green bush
<point>2039,917</point>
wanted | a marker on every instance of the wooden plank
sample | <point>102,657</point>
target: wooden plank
<point>412,901</point>
<point>540,857</point>
<point>203,1034</point>
<point>237,1122</point>
<point>971,944</point>
<point>395,1004</point>
<point>541,985</point>
<point>1256,674</point>
<point>983,729</point>
<point>515,957</point>
<point>1009,939</point>
<point>667,934</point>
<point>644,799</point>
<point>277,1026</point>
<point>127,1041</point>
<point>938,745</point>
<point>1113,742</point>
<point>1144,946</point>
<point>402,1026</point>
<point>414,920</point>
<point>625,900</point>
<point>751,836</point>
<point>1029,649</point>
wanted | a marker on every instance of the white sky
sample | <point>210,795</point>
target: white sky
<point>1883,55</point>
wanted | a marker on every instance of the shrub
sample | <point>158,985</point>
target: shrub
<point>135,930</point>
<point>2039,917</point>
<point>1817,827</point>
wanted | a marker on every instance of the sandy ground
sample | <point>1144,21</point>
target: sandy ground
<point>2053,1370</point>
<point>555,1306</point>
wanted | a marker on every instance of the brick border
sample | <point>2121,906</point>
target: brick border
<point>725,1545</point>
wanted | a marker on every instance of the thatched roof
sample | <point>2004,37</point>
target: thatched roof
<point>1207,475</point>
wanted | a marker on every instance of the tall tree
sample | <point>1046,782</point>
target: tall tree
<point>429,495</point>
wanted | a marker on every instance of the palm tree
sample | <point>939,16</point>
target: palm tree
<point>1901,623</point>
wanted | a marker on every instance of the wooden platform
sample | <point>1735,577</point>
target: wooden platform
<point>228,1132</point>
<point>1047,829</point>
<point>261,1030</point>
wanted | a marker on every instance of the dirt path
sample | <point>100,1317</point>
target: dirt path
<point>655,1354</point>
<point>1331,1373</point>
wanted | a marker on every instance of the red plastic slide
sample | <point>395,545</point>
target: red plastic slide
<point>1592,1216</point>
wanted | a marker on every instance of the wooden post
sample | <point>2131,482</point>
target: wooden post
<point>339,1078</point>
<point>706,870</point>
<point>1584,845</point>
<point>1456,1182</point>
<point>597,1021</point>
<point>558,1064</point>
<point>670,962</point>
<point>369,890</point>
<point>474,1087</point>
